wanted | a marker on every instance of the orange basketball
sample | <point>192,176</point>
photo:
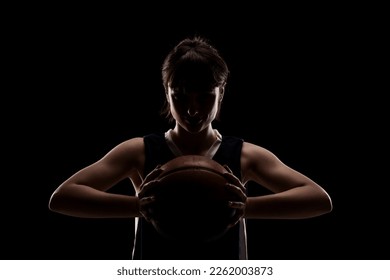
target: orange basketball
<point>191,199</point>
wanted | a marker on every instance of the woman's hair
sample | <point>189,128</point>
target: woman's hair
<point>193,59</point>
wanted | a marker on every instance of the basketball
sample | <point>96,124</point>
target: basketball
<point>191,200</point>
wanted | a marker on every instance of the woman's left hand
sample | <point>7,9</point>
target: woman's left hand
<point>237,188</point>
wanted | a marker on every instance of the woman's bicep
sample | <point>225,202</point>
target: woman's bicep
<point>266,169</point>
<point>115,166</point>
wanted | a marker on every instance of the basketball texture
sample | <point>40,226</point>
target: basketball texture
<point>191,200</point>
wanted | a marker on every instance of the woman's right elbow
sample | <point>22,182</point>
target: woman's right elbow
<point>55,202</point>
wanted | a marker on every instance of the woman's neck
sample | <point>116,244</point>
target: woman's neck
<point>193,143</point>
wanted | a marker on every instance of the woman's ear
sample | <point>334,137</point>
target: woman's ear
<point>221,93</point>
<point>166,94</point>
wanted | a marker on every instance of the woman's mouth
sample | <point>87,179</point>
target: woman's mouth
<point>193,121</point>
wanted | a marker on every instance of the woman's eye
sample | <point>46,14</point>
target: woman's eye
<point>179,97</point>
<point>206,97</point>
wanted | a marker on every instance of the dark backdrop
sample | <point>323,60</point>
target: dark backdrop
<point>300,85</point>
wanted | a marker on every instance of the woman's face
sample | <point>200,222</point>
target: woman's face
<point>194,108</point>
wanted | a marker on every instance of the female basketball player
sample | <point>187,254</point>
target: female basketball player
<point>194,77</point>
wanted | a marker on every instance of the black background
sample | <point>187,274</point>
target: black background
<point>304,83</point>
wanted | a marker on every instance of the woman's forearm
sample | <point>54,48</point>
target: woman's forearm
<point>85,202</point>
<point>297,203</point>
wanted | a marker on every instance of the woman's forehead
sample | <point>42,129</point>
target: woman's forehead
<point>193,73</point>
<point>198,81</point>
<point>193,84</point>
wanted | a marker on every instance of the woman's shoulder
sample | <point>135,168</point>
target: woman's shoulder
<point>127,150</point>
<point>131,143</point>
<point>255,151</point>
<point>259,156</point>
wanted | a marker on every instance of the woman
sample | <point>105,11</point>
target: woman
<point>194,77</point>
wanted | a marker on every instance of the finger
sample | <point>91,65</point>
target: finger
<point>233,179</point>
<point>147,187</point>
<point>237,190</point>
<point>146,201</point>
<point>144,207</point>
<point>228,168</point>
<point>154,173</point>
<point>236,204</point>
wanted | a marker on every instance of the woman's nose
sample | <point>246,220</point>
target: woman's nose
<point>192,111</point>
<point>193,105</point>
